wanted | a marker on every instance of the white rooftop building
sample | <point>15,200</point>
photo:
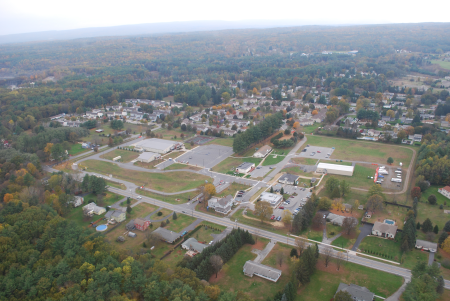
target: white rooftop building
<point>272,198</point>
<point>335,169</point>
<point>159,146</point>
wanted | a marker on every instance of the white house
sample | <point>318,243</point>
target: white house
<point>445,191</point>
<point>384,230</point>
<point>92,209</point>
<point>193,245</point>
<point>222,205</point>
<point>262,152</point>
<point>78,201</point>
<point>245,167</point>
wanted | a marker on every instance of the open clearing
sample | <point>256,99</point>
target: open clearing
<point>141,210</point>
<point>127,156</point>
<point>181,166</point>
<point>425,210</point>
<point>445,65</point>
<point>325,281</point>
<point>355,150</point>
<point>222,141</point>
<point>166,182</point>
<point>180,223</point>
<point>172,199</point>
<point>304,161</point>
<point>76,149</point>
<point>272,160</point>
<point>359,178</point>
<point>379,246</point>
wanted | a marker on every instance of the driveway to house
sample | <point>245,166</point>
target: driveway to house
<point>366,229</point>
<point>430,258</point>
<point>193,225</point>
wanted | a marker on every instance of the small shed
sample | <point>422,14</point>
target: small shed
<point>132,234</point>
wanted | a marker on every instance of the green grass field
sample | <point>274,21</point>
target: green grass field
<point>233,279</point>
<point>180,223</point>
<point>230,164</point>
<point>359,178</point>
<point>325,281</point>
<point>355,150</point>
<point>172,199</point>
<point>295,170</point>
<point>270,160</point>
<point>232,189</point>
<point>181,166</point>
<point>310,128</point>
<point>222,141</point>
<point>141,210</point>
<point>76,149</point>
<point>381,246</point>
<point>204,234</point>
<point>425,210</point>
<point>170,134</point>
<point>127,156</point>
<point>116,185</point>
<point>304,161</point>
<point>445,65</point>
<point>157,181</point>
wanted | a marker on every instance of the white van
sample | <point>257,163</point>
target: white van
<point>399,176</point>
<point>398,171</point>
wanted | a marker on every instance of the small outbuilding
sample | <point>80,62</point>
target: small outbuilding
<point>147,157</point>
<point>245,167</point>
<point>288,179</point>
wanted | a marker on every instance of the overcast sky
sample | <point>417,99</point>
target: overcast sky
<point>20,16</point>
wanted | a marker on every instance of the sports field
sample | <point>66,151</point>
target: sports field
<point>356,150</point>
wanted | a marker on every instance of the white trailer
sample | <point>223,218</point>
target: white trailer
<point>396,180</point>
<point>398,171</point>
<point>383,172</point>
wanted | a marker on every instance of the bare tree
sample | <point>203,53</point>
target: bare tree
<point>153,239</point>
<point>317,221</point>
<point>339,259</point>
<point>263,210</point>
<point>349,225</point>
<point>280,257</point>
<point>375,203</point>
<point>216,262</point>
<point>301,245</point>
<point>328,252</point>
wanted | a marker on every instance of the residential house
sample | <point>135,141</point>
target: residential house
<point>78,201</point>
<point>92,208</point>
<point>373,133</point>
<point>252,268</point>
<point>288,179</point>
<point>221,205</point>
<point>141,224</point>
<point>357,293</point>
<point>445,191</point>
<point>305,121</point>
<point>192,244</point>
<point>116,215</point>
<point>166,235</point>
<point>262,151</point>
<point>384,230</point>
<point>336,219</point>
<point>245,167</point>
<point>426,245</point>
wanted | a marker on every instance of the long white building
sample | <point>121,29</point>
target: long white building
<point>159,146</point>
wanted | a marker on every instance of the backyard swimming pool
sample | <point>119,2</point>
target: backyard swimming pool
<point>101,228</point>
<point>389,222</point>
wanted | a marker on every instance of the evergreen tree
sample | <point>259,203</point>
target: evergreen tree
<point>427,226</point>
<point>174,216</point>
<point>129,209</point>
<point>442,237</point>
<point>436,229</point>
<point>447,227</point>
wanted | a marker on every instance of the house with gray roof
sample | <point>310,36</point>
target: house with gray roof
<point>426,245</point>
<point>288,179</point>
<point>252,268</point>
<point>116,215</point>
<point>191,244</point>
<point>384,230</point>
<point>166,235</point>
<point>222,205</point>
<point>358,293</point>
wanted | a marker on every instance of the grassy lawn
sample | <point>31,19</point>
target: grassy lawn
<point>150,165</point>
<point>76,149</point>
<point>333,229</point>
<point>204,234</point>
<point>315,235</point>
<point>134,244</point>
<point>392,212</point>
<point>181,166</point>
<point>304,161</point>
<point>381,246</point>
<point>116,185</point>
<point>127,156</point>
<point>256,223</point>
<point>354,150</point>
<point>310,128</point>
<point>425,210</point>
<point>76,214</point>
<point>157,181</point>
<point>222,141</point>
<point>271,160</point>
<point>411,258</point>
<point>165,213</point>
<point>343,242</point>
<point>295,170</point>
<point>232,189</point>
<point>215,226</point>
<point>172,199</point>
<point>124,203</point>
<point>170,134</point>
<point>231,278</point>
<point>359,178</point>
<point>141,210</point>
<point>325,281</point>
<point>230,164</point>
<point>282,151</point>
<point>180,223</point>
<point>442,64</point>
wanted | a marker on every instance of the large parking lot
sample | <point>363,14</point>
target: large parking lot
<point>206,155</point>
<point>316,152</point>
<point>386,182</point>
<point>260,171</point>
<point>294,201</point>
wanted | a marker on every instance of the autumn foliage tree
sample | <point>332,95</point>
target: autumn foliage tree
<point>416,193</point>
<point>314,112</point>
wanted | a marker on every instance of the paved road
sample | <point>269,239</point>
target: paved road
<point>398,293</point>
<point>352,257</point>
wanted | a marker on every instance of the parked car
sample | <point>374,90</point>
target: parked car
<point>318,152</point>
<point>292,196</point>
<point>272,217</point>
<point>184,233</point>
<point>281,207</point>
<point>279,218</point>
<point>259,167</point>
<point>139,197</point>
<point>304,150</point>
<point>241,191</point>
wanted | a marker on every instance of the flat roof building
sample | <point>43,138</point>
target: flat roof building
<point>335,169</point>
<point>245,167</point>
<point>148,157</point>
<point>262,152</point>
<point>159,146</point>
<point>288,179</point>
<point>272,198</point>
